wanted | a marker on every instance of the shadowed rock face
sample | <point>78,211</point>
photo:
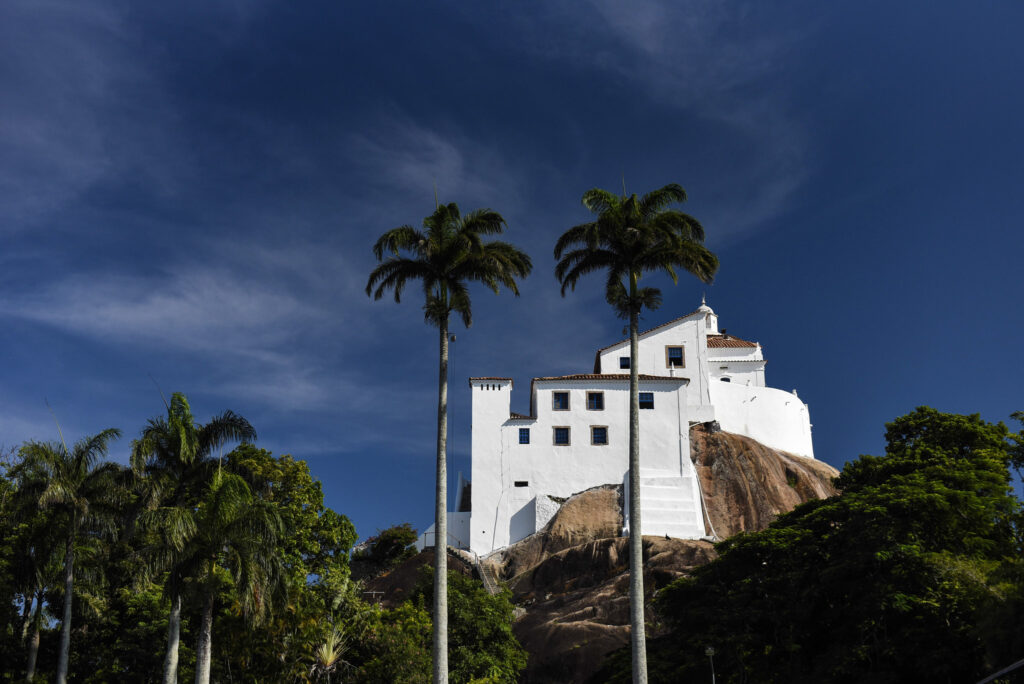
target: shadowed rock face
<point>572,577</point>
<point>397,586</point>
<point>577,602</point>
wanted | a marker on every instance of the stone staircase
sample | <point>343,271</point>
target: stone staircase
<point>669,505</point>
<point>485,576</point>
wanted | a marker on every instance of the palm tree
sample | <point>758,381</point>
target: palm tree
<point>37,567</point>
<point>85,493</point>
<point>174,459</point>
<point>632,237</point>
<point>235,545</point>
<point>37,553</point>
<point>447,255</point>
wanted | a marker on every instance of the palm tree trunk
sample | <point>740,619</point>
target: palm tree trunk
<point>173,636</point>
<point>33,644</point>
<point>26,615</point>
<point>440,645</point>
<point>65,627</point>
<point>204,648</point>
<point>636,557</point>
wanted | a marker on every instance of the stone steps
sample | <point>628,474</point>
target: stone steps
<point>669,505</point>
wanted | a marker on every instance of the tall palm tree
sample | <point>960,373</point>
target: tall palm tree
<point>447,255</point>
<point>37,553</point>
<point>173,458</point>
<point>235,545</point>
<point>629,238</point>
<point>85,493</point>
<point>37,567</point>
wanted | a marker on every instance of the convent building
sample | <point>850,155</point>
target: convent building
<point>577,433</point>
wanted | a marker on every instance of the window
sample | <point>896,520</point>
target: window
<point>674,357</point>
<point>598,434</point>
<point>647,400</point>
<point>560,401</point>
<point>595,401</point>
<point>524,435</point>
<point>726,379</point>
<point>561,436</point>
<point>522,483</point>
<point>624,362</point>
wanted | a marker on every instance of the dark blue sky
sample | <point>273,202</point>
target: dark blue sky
<point>189,191</point>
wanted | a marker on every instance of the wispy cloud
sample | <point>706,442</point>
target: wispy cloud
<point>397,153</point>
<point>708,59</point>
<point>192,309</point>
<point>74,82</point>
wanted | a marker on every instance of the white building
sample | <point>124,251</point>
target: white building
<point>577,433</point>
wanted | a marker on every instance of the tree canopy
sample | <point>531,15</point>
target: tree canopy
<point>912,573</point>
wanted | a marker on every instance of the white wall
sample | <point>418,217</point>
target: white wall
<point>775,418</point>
<point>504,513</point>
<point>739,371</point>
<point>652,350</point>
<point>458,532</point>
<point>691,335</point>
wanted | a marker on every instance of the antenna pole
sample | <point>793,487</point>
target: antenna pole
<point>59,432</point>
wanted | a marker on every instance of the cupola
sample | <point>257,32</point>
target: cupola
<point>710,317</point>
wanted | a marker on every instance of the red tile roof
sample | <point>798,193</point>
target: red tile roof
<point>721,341</point>
<point>609,376</point>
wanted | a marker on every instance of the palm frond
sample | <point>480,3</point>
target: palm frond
<point>227,427</point>
<point>483,222</point>
<point>393,274</point>
<point>397,239</point>
<point>579,263</point>
<point>633,236</point>
<point>601,201</point>
<point>656,201</point>
<point>448,253</point>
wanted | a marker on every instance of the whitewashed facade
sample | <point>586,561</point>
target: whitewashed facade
<point>576,435</point>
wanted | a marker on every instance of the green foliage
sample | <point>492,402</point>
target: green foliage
<point>318,540</point>
<point>913,573</point>
<point>128,637</point>
<point>397,648</point>
<point>445,256</point>
<point>1017,445</point>
<point>317,599</point>
<point>629,238</point>
<point>83,495</point>
<point>396,645</point>
<point>385,551</point>
<point>481,644</point>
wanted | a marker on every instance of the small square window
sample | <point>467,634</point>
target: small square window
<point>674,357</point>
<point>598,434</point>
<point>524,435</point>
<point>595,401</point>
<point>561,436</point>
<point>647,400</point>
<point>624,362</point>
<point>560,401</point>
